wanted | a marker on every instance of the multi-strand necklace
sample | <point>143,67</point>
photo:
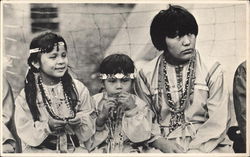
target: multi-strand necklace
<point>177,108</point>
<point>115,139</point>
<point>58,108</point>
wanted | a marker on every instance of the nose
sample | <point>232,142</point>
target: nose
<point>61,60</point>
<point>118,85</point>
<point>186,40</point>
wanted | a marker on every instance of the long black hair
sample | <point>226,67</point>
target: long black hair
<point>45,42</point>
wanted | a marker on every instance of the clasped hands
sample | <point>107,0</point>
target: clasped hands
<point>67,125</point>
<point>120,102</point>
<point>123,101</point>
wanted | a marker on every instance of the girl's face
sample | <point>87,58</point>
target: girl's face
<point>54,64</point>
<point>181,48</point>
<point>115,86</point>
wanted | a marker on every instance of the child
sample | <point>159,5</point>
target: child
<point>124,120</point>
<point>53,110</point>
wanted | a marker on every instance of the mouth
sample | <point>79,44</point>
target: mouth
<point>60,68</point>
<point>187,51</point>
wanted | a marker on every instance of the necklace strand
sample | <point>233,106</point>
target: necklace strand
<point>177,111</point>
<point>48,103</point>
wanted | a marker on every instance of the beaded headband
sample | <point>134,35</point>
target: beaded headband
<point>36,50</point>
<point>116,76</point>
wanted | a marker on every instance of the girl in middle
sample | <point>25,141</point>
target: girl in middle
<point>124,121</point>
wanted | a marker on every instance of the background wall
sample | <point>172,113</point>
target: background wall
<point>93,31</point>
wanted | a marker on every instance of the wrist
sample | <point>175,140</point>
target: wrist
<point>130,107</point>
<point>101,119</point>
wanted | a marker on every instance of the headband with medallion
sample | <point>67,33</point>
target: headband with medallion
<point>116,76</point>
<point>36,50</point>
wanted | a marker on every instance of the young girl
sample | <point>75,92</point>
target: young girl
<point>53,110</point>
<point>124,120</point>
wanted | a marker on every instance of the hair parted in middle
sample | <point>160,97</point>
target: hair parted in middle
<point>175,21</point>
<point>45,42</point>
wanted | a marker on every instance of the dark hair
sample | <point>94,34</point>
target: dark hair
<point>117,63</point>
<point>175,21</point>
<point>45,42</point>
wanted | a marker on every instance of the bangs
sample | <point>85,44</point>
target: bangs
<point>117,63</point>
<point>180,24</point>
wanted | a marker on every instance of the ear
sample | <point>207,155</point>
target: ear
<point>36,64</point>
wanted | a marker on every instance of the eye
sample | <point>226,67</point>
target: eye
<point>53,56</point>
<point>64,54</point>
<point>111,80</point>
<point>125,79</point>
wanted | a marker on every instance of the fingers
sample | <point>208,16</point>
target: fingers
<point>75,121</point>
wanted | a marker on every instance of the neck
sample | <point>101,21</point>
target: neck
<point>172,60</point>
<point>48,80</point>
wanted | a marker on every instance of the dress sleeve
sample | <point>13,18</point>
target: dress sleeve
<point>213,131</point>
<point>30,132</point>
<point>239,96</point>
<point>86,111</point>
<point>137,123</point>
<point>7,114</point>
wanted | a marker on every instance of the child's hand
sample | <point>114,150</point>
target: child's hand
<point>167,146</point>
<point>56,124</point>
<point>127,100</point>
<point>75,121</point>
<point>108,105</point>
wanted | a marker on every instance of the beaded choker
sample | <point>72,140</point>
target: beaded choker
<point>52,102</point>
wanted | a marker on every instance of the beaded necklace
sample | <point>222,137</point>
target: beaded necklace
<point>114,123</point>
<point>177,108</point>
<point>49,101</point>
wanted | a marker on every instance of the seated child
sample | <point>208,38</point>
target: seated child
<point>124,121</point>
<point>53,111</point>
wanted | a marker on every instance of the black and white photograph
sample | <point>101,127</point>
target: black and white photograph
<point>143,77</point>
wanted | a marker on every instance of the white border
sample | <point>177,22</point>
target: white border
<point>146,2</point>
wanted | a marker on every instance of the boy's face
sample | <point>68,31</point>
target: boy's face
<point>181,48</point>
<point>115,86</point>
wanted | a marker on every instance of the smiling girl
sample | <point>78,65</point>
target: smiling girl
<point>53,110</point>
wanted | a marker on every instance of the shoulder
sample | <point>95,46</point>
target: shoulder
<point>206,64</point>
<point>241,69</point>
<point>20,99</point>
<point>80,87</point>
<point>148,66</point>
<point>208,68</point>
<point>97,97</point>
<point>139,102</point>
